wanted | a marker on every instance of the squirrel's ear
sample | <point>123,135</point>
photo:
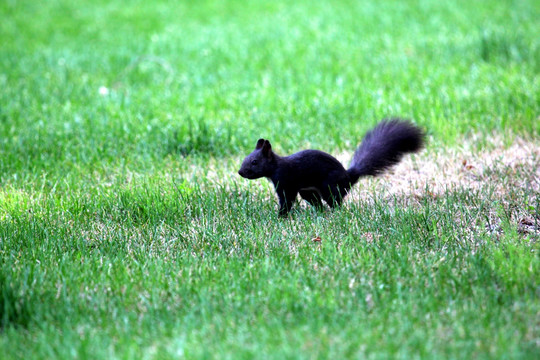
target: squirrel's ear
<point>259,144</point>
<point>267,148</point>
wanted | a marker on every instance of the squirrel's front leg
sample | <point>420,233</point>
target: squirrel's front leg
<point>286,199</point>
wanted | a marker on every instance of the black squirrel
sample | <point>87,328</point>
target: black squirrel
<point>319,176</point>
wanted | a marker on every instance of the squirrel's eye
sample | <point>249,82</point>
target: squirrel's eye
<point>253,162</point>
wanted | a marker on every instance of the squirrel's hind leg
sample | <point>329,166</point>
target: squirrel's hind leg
<point>313,197</point>
<point>333,195</point>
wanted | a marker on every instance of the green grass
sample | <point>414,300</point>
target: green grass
<point>125,231</point>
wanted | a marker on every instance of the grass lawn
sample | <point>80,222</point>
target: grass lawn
<point>125,231</point>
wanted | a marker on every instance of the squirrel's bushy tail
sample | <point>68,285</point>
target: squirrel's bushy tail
<point>384,146</point>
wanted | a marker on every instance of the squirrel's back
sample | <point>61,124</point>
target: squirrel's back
<point>308,168</point>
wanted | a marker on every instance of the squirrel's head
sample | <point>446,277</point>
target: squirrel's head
<point>260,162</point>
